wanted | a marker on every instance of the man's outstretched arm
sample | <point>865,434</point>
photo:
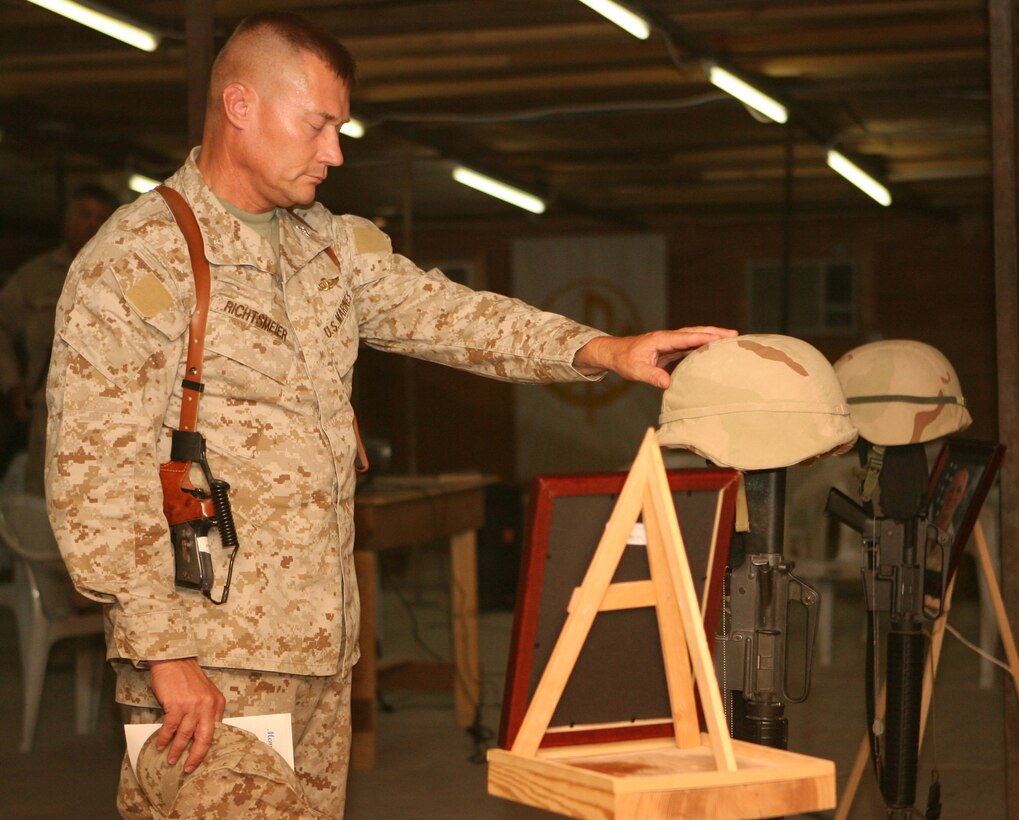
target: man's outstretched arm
<point>644,358</point>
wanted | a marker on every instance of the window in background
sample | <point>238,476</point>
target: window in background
<point>822,297</point>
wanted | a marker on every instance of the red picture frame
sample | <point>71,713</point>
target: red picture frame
<point>977,464</point>
<point>603,701</point>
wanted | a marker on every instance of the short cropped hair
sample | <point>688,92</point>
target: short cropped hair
<point>303,35</point>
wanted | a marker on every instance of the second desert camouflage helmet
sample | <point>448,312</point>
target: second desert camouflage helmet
<point>756,402</point>
<point>902,392</point>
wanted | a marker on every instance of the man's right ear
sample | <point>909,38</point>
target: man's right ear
<point>237,103</point>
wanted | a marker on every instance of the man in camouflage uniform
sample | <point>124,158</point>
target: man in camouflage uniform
<point>27,304</point>
<point>283,333</point>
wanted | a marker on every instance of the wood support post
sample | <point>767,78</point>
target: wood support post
<point>198,32</point>
<point>1001,26</point>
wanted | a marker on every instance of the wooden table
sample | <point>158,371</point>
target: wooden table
<point>400,511</point>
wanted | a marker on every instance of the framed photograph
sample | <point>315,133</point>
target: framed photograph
<point>961,478</point>
<point>618,689</point>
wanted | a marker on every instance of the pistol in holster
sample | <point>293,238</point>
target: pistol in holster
<point>192,512</point>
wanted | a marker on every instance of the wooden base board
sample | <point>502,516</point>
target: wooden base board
<point>653,779</point>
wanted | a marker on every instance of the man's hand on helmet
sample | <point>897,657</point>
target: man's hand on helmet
<point>644,358</point>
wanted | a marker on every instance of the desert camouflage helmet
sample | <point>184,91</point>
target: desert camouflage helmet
<point>756,402</point>
<point>902,392</point>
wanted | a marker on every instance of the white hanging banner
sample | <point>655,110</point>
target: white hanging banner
<point>616,284</point>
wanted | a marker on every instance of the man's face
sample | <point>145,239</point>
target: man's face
<point>85,215</point>
<point>295,126</point>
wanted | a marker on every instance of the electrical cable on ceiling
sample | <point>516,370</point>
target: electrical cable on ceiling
<point>553,112</point>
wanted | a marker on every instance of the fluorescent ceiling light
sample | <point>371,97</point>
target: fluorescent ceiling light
<point>622,17</point>
<point>352,128</point>
<point>108,23</point>
<point>860,178</point>
<point>746,93</point>
<point>500,190</point>
<point>141,183</point>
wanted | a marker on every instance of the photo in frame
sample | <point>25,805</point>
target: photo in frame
<point>618,689</point>
<point>962,476</point>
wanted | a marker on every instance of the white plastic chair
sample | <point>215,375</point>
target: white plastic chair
<point>13,481</point>
<point>14,476</point>
<point>48,610</point>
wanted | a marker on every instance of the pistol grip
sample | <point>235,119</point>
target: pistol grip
<point>187,566</point>
<point>179,503</point>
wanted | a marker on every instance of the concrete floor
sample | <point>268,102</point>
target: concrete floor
<point>429,769</point>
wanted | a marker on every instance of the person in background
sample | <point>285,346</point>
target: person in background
<point>28,304</point>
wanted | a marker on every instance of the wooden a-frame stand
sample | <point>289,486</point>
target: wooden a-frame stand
<point>694,774</point>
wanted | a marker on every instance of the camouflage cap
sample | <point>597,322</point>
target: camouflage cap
<point>756,402</point>
<point>902,391</point>
<point>239,777</point>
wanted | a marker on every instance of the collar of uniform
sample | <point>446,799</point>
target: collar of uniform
<point>302,237</point>
<point>227,241</point>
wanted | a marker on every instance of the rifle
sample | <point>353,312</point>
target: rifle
<point>905,575</point>
<point>752,646</point>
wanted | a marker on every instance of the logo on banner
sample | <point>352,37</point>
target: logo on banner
<point>601,304</point>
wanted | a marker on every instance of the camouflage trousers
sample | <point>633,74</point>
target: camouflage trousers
<point>320,711</point>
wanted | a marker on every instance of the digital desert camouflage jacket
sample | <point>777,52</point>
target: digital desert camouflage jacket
<point>276,413</point>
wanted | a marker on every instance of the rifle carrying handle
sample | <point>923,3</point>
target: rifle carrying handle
<point>800,592</point>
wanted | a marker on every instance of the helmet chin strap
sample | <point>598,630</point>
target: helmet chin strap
<point>742,523</point>
<point>897,475</point>
<point>875,461</point>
